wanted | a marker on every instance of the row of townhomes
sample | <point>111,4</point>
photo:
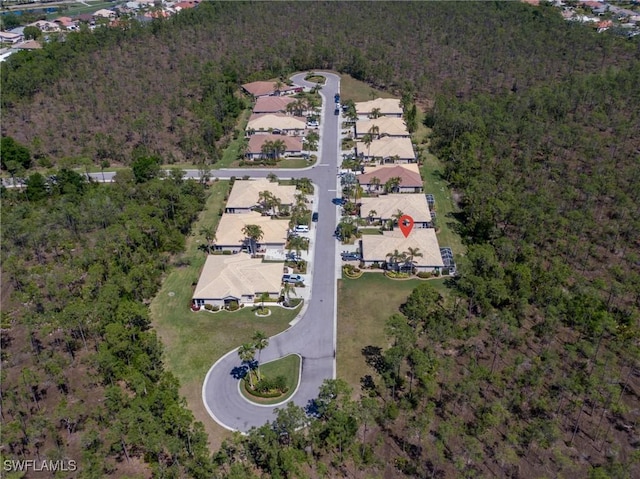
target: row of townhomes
<point>391,186</point>
<point>280,123</point>
<point>235,270</point>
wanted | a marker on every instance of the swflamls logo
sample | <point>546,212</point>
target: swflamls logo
<point>11,465</point>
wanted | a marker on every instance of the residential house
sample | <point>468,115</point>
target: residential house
<point>236,278</point>
<point>104,13</point>
<point>13,38</point>
<point>383,126</point>
<point>276,123</point>
<point>229,235</point>
<point>378,248</point>
<point>380,106</point>
<point>268,88</point>
<point>186,5</point>
<point>272,104</point>
<point>388,149</point>
<point>379,210</point>
<point>28,45</point>
<point>374,178</point>
<point>245,194</point>
<point>66,23</point>
<point>45,26</point>
<point>293,145</point>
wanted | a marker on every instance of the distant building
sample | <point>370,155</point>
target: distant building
<point>272,104</point>
<point>8,37</point>
<point>245,194</point>
<point>383,106</point>
<point>383,126</point>
<point>377,248</point>
<point>388,149</point>
<point>236,278</point>
<point>293,145</point>
<point>374,179</point>
<point>276,123</point>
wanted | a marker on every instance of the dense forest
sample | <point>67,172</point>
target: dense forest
<point>528,368</point>
<point>166,88</point>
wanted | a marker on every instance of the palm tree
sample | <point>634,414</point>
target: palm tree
<point>375,113</point>
<point>209,236</point>
<point>304,185</point>
<point>410,254</point>
<point>375,181</point>
<point>277,86</point>
<point>392,185</point>
<point>374,131</point>
<point>272,177</point>
<point>395,258</point>
<point>266,149</point>
<point>371,215</point>
<point>279,148</point>
<point>396,217</point>
<point>296,243</point>
<point>255,234</point>
<point>247,353</point>
<point>367,139</point>
<point>263,297</point>
<point>260,341</point>
<point>287,290</point>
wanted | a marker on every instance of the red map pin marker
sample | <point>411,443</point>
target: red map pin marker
<point>406,224</point>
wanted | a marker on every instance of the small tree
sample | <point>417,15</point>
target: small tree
<point>260,342</point>
<point>254,233</point>
<point>247,353</point>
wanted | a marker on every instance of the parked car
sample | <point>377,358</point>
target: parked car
<point>346,256</point>
<point>292,278</point>
<point>314,217</point>
<point>338,201</point>
<point>301,229</point>
<point>313,124</point>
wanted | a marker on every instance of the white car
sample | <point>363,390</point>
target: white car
<point>301,229</point>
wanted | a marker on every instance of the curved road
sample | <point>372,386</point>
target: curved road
<point>313,336</point>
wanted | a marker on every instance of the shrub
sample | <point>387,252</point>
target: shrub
<point>424,274</point>
<point>208,307</point>
<point>215,308</point>
<point>233,306</point>
<point>226,251</point>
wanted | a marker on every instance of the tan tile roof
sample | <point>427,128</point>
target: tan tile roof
<point>293,143</point>
<point>229,230</point>
<point>272,104</point>
<point>29,45</point>
<point>275,121</point>
<point>387,106</point>
<point>388,147</point>
<point>236,275</point>
<point>246,193</point>
<point>387,125</point>
<point>409,174</point>
<point>376,247</point>
<point>385,206</point>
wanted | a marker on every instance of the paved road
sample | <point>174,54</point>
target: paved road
<point>313,337</point>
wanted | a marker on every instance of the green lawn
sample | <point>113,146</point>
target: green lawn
<point>432,172</point>
<point>194,341</point>
<point>70,10</point>
<point>364,305</point>
<point>352,89</point>
<point>232,151</point>
<point>289,367</point>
